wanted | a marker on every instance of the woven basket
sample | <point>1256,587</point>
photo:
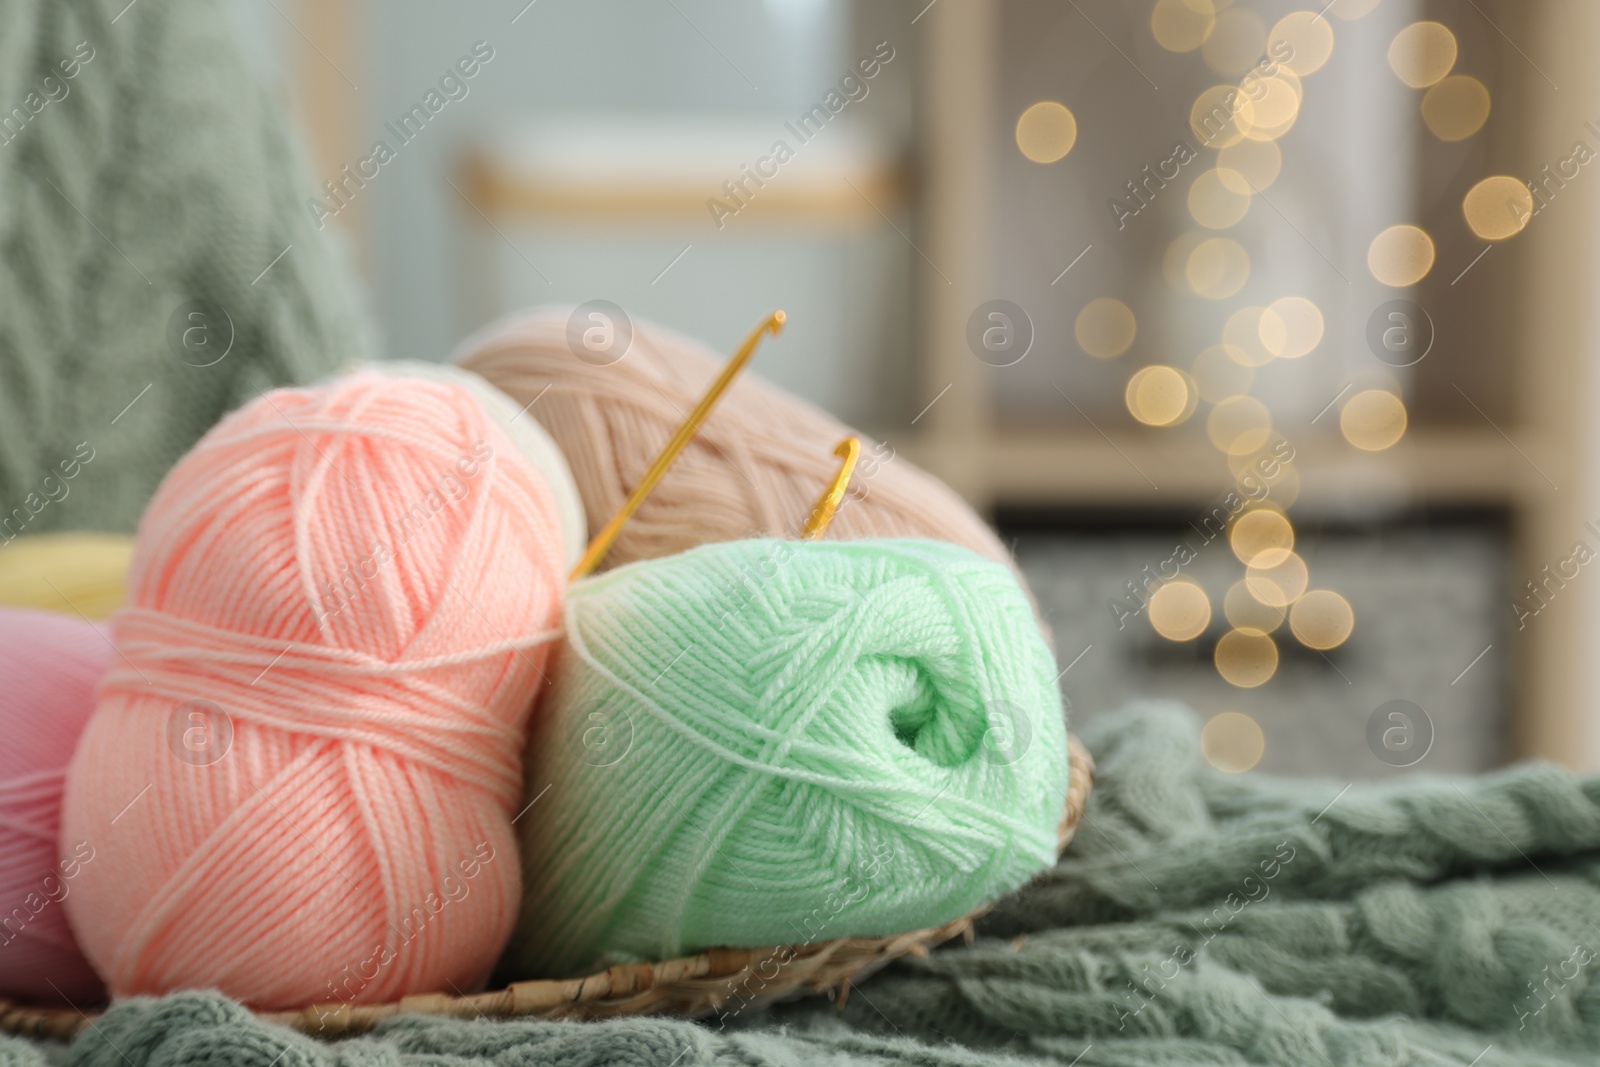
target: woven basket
<point>730,980</point>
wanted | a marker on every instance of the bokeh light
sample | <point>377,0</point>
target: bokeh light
<point>1246,658</point>
<point>1245,612</point>
<point>1270,105</point>
<point>1232,742</point>
<point>1306,37</point>
<point>1240,425</point>
<point>1175,260</point>
<point>1291,327</point>
<point>1322,619</point>
<point>1105,328</point>
<point>1280,584</point>
<point>1242,334</point>
<point>1456,108</point>
<point>1219,376</point>
<point>1218,199</point>
<point>1161,395</point>
<point>1498,207</point>
<point>1179,611</point>
<point>1285,485</point>
<point>1401,256</point>
<point>1422,54</point>
<point>1183,25</point>
<point>1373,420</point>
<point>1046,132</point>
<point>1257,163</point>
<point>1217,268</point>
<point>1238,40</point>
<point>1214,117</point>
<point>1261,537</point>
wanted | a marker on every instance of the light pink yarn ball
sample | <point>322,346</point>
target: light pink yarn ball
<point>49,667</point>
<point>302,769</point>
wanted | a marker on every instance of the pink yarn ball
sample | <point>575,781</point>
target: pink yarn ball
<point>49,665</point>
<point>300,782</point>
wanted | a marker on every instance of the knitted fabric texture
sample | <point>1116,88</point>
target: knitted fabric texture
<point>763,742</point>
<point>1422,922</point>
<point>157,175</point>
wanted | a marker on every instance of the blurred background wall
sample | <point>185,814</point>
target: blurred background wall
<point>1370,270</point>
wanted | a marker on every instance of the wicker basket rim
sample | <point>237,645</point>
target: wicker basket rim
<point>696,985</point>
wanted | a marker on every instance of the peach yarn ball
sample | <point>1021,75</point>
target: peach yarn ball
<point>755,469</point>
<point>302,770</point>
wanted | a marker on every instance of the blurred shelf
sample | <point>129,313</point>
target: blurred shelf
<point>1430,467</point>
<point>624,171</point>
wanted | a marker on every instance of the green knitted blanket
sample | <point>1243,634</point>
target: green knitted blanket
<point>145,179</point>
<point>1198,918</point>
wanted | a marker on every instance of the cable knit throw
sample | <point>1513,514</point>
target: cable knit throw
<point>144,177</point>
<point>1198,918</point>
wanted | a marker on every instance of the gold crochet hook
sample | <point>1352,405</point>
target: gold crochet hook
<point>827,504</point>
<point>596,552</point>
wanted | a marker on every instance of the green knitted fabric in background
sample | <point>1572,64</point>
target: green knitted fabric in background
<point>161,173</point>
<point>1198,919</point>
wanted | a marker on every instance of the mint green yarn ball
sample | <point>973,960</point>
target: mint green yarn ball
<point>767,742</point>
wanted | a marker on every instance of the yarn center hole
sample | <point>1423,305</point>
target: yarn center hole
<point>926,723</point>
